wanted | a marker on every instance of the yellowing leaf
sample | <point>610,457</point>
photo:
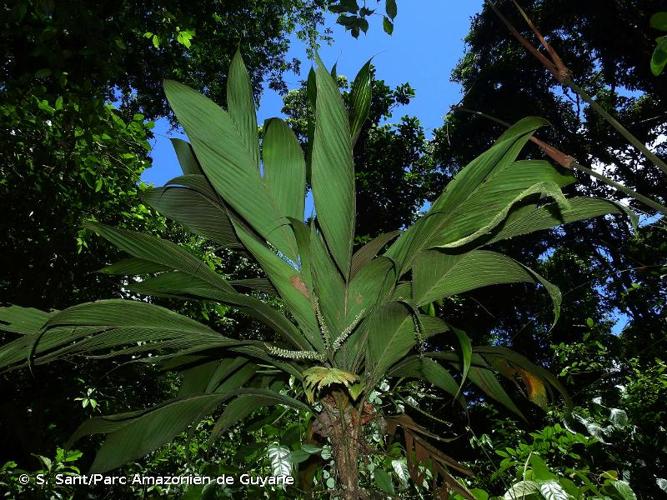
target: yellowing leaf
<point>537,391</point>
<point>317,377</point>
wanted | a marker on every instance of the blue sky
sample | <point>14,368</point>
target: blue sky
<point>424,48</point>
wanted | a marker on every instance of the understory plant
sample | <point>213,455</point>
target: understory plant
<point>532,464</point>
<point>345,322</point>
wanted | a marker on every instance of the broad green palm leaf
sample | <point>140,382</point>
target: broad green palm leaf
<point>347,320</point>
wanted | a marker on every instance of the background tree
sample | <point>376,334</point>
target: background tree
<point>70,154</point>
<point>79,86</point>
<point>601,267</point>
<point>608,56</point>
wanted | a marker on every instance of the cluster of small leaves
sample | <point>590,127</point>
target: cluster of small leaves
<point>554,463</point>
<point>553,442</point>
<point>64,464</point>
<point>645,392</point>
<point>354,16</point>
<point>539,482</point>
<point>597,452</point>
<point>88,399</point>
<point>182,36</point>
<point>588,357</point>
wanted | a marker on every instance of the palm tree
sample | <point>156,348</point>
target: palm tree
<point>346,321</point>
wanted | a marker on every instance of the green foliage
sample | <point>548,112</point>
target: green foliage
<point>354,17</point>
<point>588,357</point>
<point>135,48</point>
<point>239,450</point>
<point>394,174</point>
<point>347,328</point>
<point>500,80</point>
<point>41,482</point>
<point>88,399</point>
<point>320,377</point>
<point>556,463</point>
<point>80,85</point>
<point>68,76</point>
<point>332,171</point>
<point>81,143</point>
<point>604,440</point>
<point>539,482</point>
<point>78,157</point>
<point>644,392</point>
<point>552,443</point>
<point>610,280</point>
<point>659,57</point>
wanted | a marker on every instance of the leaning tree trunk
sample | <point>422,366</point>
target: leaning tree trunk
<point>341,423</point>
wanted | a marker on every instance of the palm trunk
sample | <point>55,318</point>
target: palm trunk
<point>345,441</point>
<point>343,428</point>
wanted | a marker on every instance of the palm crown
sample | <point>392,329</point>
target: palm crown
<point>349,320</point>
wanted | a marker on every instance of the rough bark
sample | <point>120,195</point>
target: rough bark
<point>341,423</point>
